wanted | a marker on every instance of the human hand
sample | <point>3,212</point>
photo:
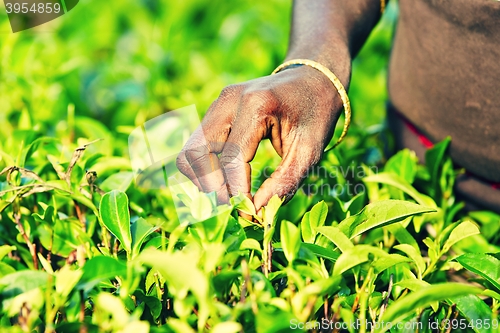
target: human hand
<point>296,109</point>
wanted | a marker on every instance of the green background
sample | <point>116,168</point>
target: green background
<point>121,62</point>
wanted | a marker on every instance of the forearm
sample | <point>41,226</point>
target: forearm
<point>332,31</point>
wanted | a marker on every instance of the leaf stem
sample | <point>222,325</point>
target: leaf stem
<point>363,300</point>
<point>31,246</point>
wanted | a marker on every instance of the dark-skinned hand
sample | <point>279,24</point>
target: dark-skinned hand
<point>295,109</point>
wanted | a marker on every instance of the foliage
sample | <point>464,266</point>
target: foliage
<point>84,249</point>
<point>120,261</point>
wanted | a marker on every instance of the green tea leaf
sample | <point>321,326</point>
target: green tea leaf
<point>306,229</point>
<point>45,264</point>
<point>227,327</point>
<point>488,221</point>
<point>415,285</point>
<point>311,220</point>
<point>337,210</point>
<point>408,305</point>
<point>321,251</point>
<point>318,214</point>
<point>402,235</point>
<point>463,230</point>
<point>433,160</point>
<point>380,214</point>
<point>337,237</point>
<point>290,240</point>
<point>492,294</point>
<point>356,256</point>
<point>403,164</point>
<point>179,326</point>
<point>412,284</point>
<point>251,244</point>
<point>273,319</point>
<point>316,289</point>
<point>356,204</point>
<point>45,142</point>
<point>153,303</point>
<point>118,181</point>
<point>5,270</point>
<point>4,204</point>
<point>475,311</point>
<point>445,234</point>
<point>384,262</point>
<point>413,254</point>
<point>63,236</point>
<point>66,280</point>
<point>21,282</point>
<point>201,207</point>
<point>180,282</point>
<point>99,269</point>
<point>6,249</point>
<point>268,234</point>
<point>33,299</point>
<point>112,309</point>
<point>140,229</point>
<point>403,185</point>
<point>215,227</point>
<point>271,210</point>
<point>243,204</point>
<point>115,216</point>
<point>483,265</point>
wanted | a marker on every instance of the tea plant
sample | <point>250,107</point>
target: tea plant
<point>88,253</point>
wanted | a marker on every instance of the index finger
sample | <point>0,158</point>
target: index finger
<point>199,162</point>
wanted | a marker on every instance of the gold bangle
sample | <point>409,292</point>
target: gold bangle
<point>336,82</point>
<point>382,6</point>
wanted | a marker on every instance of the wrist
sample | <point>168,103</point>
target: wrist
<point>332,78</point>
<point>337,58</point>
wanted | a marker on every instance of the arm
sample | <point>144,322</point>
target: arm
<point>284,107</point>
<point>332,32</point>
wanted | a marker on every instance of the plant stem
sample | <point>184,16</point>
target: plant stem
<point>248,286</point>
<point>267,254</point>
<point>31,246</point>
<point>81,317</point>
<point>455,316</point>
<point>163,238</point>
<point>80,215</point>
<point>386,299</point>
<point>50,312</point>
<point>363,300</point>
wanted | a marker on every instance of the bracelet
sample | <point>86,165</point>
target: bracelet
<point>336,82</point>
<point>382,6</point>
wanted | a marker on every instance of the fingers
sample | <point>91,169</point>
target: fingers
<point>217,156</point>
<point>236,155</point>
<point>198,160</point>
<point>234,130</point>
<point>252,126</point>
<point>292,170</point>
